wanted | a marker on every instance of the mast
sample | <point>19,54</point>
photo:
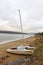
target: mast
<point>21,24</point>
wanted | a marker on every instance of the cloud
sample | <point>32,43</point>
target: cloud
<point>31,13</point>
<point>8,28</point>
<point>4,22</point>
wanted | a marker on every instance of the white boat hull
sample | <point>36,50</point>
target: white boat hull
<point>22,50</point>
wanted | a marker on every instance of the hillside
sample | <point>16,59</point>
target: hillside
<point>35,59</point>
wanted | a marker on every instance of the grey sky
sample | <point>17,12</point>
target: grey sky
<point>31,13</point>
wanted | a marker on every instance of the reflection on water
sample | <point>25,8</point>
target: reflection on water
<point>10,37</point>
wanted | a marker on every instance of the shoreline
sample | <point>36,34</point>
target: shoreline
<point>9,41</point>
<point>1,43</point>
<point>12,41</point>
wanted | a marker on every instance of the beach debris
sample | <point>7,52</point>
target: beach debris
<point>2,59</point>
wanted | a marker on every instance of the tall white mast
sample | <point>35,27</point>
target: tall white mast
<point>21,24</point>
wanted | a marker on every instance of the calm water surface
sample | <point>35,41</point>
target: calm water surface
<point>10,37</point>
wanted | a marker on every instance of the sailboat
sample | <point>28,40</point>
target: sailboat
<point>21,49</point>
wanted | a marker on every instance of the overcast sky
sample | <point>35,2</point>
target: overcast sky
<point>31,14</point>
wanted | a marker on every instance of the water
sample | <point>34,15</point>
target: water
<point>10,37</point>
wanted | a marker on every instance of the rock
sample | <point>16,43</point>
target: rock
<point>21,61</point>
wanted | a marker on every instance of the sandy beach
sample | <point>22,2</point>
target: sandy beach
<point>37,56</point>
